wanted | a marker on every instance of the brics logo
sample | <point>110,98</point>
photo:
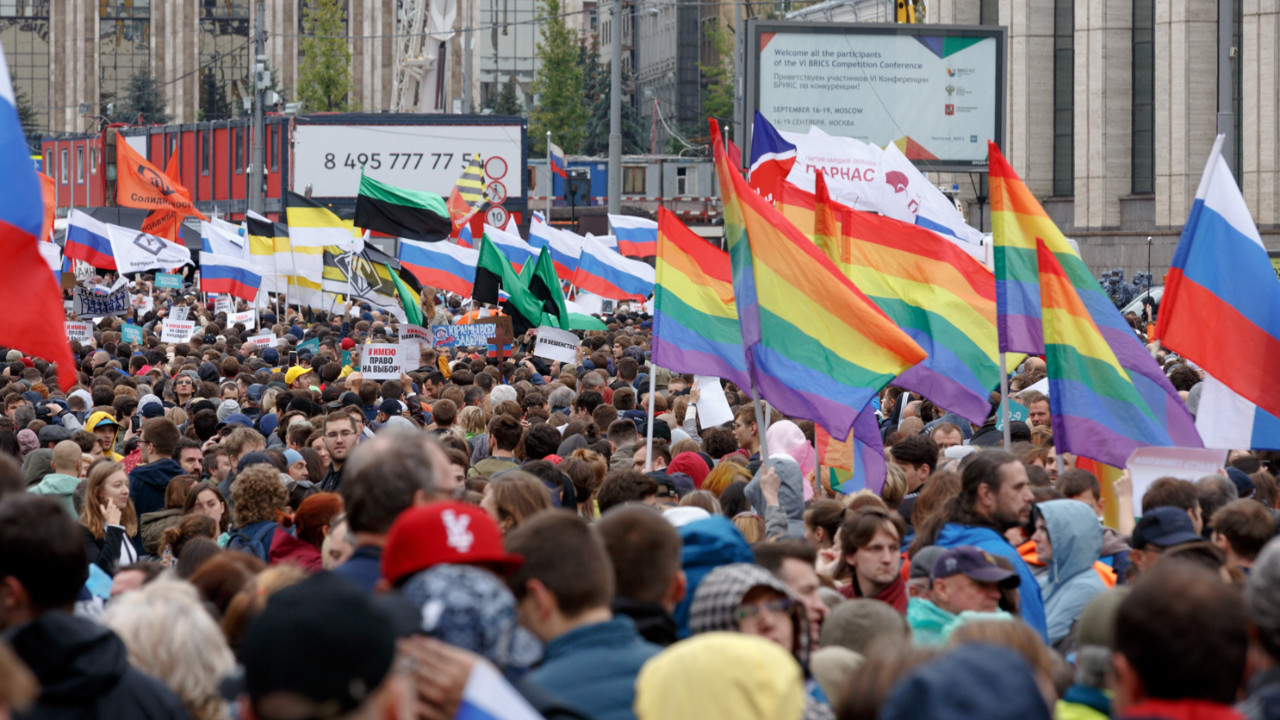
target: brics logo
<point>949,109</point>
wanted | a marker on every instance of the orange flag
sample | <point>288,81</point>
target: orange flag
<point>166,221</point>
<point>50,192</point>
<point>140,184</point>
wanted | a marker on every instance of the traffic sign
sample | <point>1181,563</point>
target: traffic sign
<point>496,216</point>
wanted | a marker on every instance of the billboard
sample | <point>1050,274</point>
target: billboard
<point>428,157</point>
<point>936,91</point>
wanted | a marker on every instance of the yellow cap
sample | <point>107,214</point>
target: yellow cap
<point>294,373</point>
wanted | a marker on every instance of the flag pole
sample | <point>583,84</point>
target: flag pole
<point>551,183</point>
<point>761,428</point>
<point>648,440</point>
<point>1004,403</point>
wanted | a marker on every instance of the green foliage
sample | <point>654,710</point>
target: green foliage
<point>324,73</point>
<point>507,101</point>
<point>557,87</point>
<point>596,95</point>
<point>717,78</point>
<point>29,119</point>
<point>143,102</point>
<point>213,98</point>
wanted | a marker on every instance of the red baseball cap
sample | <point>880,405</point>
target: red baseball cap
<point>444,533</point>
<point>348,343</point>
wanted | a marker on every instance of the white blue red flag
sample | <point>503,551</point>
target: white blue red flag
<point>637,236</point>
<point>608,274</point>
<point>1221,311</point>
<point>559,164</point>
<point>231,275</point>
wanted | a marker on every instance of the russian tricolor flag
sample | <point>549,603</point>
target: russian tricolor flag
<point>771,157</point>
<point>88,240</point>
<point>230,275</point>
<point>440,265</point>
<point>518,251</point>
<point>565,246</point>
<point>465,238</point>
<point>603,272</point>
<point>637,236</point>
<point>1221,271</point>
<point>559,165</point>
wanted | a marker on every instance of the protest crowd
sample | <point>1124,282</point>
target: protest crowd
<point>210,529</point>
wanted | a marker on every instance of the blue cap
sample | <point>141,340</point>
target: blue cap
<point>1164,527</point>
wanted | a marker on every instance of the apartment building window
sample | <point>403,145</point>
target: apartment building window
<point>1063,97</point>
<point>204,151</point>
<point>686,181</point>
<point>64,173</point>
<point>79,164</point>
<point>1144,102</point>
<point>240,150</point>
<point>633,179</point>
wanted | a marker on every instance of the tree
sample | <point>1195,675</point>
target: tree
<point>29,119</point>
<point>717,77</point>
<point>143,102</point>
<point>507,101</point>
<point>596,139</point>
<point>557,86</point>
<point>213,97</point>
<point>324,76</point>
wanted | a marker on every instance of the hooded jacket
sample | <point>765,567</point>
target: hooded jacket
<point>289,550</point>
<point>790,494</point>
<point>92,424</point>
<point>36,465</point>
<point>151,528</point>
<point>1030,604</point>
<point>690,681</point>
<point>1071,582</point>
<point>706,545</point>
<point>596,667</point>
<point>147,484</point>
<point>997,685</point>
<point>60,487</point>
<point>84,672</point>
<point>716,602</point>
<point>931,626</point>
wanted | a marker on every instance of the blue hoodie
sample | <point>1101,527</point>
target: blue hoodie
<point>1030,605</point>
<point>1071,582</point>
<point>707,544</point>
<point>147,484</point>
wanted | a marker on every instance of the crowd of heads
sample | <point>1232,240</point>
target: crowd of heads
<point>210,530</point>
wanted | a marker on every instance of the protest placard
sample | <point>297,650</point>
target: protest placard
<point>177,331</point>
<point>131,334</point>
<point>179,313</point>
<point>460,335</point>
<point>80,331</point>
<point>143,303</point>
<point>86,303</point>
<point>172,281</point>
<point>713,406</point>
<point>556,344</point>
<point>265,340</point>
<point>380,361</point>
<point>249,318</point>
<point>1146,464</point>
<point>312,346</point>
<point>1017,411</point>
<point>222,305</point>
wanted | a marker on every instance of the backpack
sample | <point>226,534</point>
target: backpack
<point>254,540</point>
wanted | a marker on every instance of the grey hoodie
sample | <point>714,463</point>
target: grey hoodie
<point>1070,582</point>
<point>790,495</point>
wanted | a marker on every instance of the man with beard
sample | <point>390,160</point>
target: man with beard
<point>994,497</point>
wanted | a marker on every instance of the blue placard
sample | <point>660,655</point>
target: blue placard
<point>461,335</point>
<point>172,281</point>
<point>1017,411</point>
<point>131,334</point>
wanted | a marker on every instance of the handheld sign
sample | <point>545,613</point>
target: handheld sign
<point>177,331</point>
<point>249,318</point>
<point>172,281</point>
<point>80,331</point>
<point>89,304</point>
<point>556,344</point>
<point>131,334</point>
<point>179,313</point>
<point>1147,464</point>
<point>458,335</point>
<point>263,341</point>
<point>380,362</point>
<point>222,304</point>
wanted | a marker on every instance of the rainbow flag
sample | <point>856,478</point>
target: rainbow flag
<point>852,465</point>
<point>1096,411</point>
<point>695,320</point>
<point>1017,221</point>
<point>817,348</point>
<point>936,292</point>
<point>1107,476</point>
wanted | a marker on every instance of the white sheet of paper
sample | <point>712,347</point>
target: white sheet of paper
<point>556,344</point>
<point>713,406</point>
<point>1146,464</point>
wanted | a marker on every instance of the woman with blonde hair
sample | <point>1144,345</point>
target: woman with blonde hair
<point>171,637</point>
<point>514,496</point>
<point>723,474</point>
<point>109,520</point>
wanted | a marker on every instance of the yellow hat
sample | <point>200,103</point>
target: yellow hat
<point>294,373</point>
<point>687,681</point>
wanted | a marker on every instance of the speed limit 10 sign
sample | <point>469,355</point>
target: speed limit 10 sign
<point>496,216</point>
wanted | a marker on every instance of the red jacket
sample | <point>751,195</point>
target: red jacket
<point>286,548</point>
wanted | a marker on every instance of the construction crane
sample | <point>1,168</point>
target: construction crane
<point>415,58</point>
